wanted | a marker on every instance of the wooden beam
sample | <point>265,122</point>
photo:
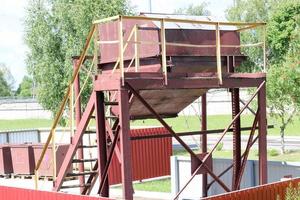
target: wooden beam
<point>218,54</point>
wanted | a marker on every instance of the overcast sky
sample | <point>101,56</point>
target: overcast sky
<point>12,12</point>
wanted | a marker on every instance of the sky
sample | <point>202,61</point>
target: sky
<point>12,12</point>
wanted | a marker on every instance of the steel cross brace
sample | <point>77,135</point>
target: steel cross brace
<point>246,153</point>
<point>111,135</point>
<point>175,135</point>
<point>230,166</point>
<point>92,178</point>
<point>222,136</point>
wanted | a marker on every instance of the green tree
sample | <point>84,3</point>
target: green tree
<point>4,87</point>
<point>6,81</point>
<point>199,10</point>
<point>283,75</point>
<point>55,30</point>
<point>26,87</point>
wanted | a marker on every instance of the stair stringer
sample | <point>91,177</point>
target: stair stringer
<point>75,142</point>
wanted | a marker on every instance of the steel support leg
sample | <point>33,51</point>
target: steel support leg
<point>101,140</point>
<point>125,144</point>
<point>204,141</point>
<point>78,118</point>
<point>262,141</point>
<point>236,140</point>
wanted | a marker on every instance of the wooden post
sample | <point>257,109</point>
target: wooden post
<point>54,155</point>
<point>163,50</point>
<point>136,48</point>
<point>121,47</point>
<point>80,153</point>
<point>218,54</point>
<point>96,47</point>
<point>264,49</point>
<point>71,105</point>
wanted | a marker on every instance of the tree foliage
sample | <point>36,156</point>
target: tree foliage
<point>283,75</point>
<point>55,31</point>
<point>26,87</point>
<point>198,10</point>
<point>6,81</point>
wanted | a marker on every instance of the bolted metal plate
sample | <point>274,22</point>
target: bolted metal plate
<point>195,163</point>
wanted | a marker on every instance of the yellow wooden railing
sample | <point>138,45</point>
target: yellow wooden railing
<point>62,108</point>
<point>241,26</point>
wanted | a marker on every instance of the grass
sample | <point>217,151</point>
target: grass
<point>290,156</point>
<point>24,124</point>
<point>192,123</point>
<point>179,124</point>
<point>162,185</point>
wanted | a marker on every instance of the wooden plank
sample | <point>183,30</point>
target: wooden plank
<point>218,54</point>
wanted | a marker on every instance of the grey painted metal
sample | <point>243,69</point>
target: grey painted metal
<point>179,173</point>
<point>20,136</point>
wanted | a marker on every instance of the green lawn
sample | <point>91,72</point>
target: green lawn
<point>273,155</point>
<point>192,123</point>
<point>24,124</point>
<point>180,124</point>
<point>163,185</point>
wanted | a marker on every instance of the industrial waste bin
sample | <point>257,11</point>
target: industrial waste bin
<point>22,158</point>
<point>46,168</point>
<point>5,160</point>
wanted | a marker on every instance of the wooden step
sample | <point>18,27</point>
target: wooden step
<point>81,173</point>
<point>75,186</point>
<point>111,103</point>
<point>84,160</point>
<point>87,146</point>
<point>89,132</point>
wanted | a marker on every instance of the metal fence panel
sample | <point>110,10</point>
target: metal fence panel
<point>21,137</point>
<point>3,138</point>
<point>11,193</point>
<point>150,158</point>
<point>273,191</point>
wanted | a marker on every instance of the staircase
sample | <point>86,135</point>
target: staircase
<point>108,138</point>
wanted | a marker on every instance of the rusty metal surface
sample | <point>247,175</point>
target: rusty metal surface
<point>271,191</point>
<point>148,31</point>
<point>5,160</point>
<point>46,168</point>
<point>22,159</point>
<point>150,158</point>
<point>11,193</point>
<point>165,102</point>
<point>195,163</point>
<point>109,31</point>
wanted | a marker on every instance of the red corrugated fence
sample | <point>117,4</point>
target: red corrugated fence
<point>11,193</point>
<point>150,158</point>
<point>273,191</point>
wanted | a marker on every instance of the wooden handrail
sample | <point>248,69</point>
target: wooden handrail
<point>64,102</point>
